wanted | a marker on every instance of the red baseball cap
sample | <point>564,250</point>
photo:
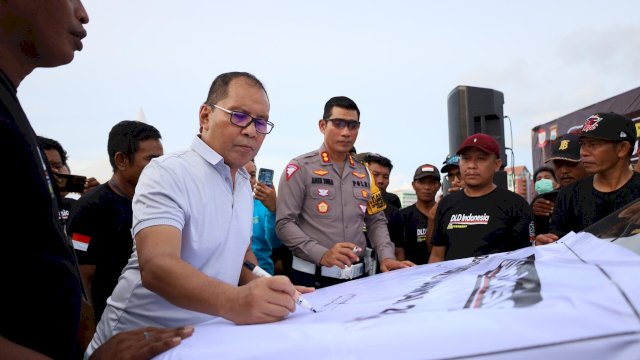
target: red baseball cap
<point>481,141</point>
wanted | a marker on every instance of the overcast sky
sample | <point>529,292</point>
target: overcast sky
<point>398,60</point>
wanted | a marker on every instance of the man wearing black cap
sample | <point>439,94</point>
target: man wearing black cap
<point>482,218</point>
<point>565,156</point>
<point>426,182</point>
<point>606,145</point>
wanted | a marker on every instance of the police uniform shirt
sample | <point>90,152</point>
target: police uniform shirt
<point>318,207</point>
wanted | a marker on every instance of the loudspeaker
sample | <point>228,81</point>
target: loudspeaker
<point>477,110</point>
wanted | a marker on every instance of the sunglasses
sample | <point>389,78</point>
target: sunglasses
<point>452,177</point>
<point>244,120</point>
<point>341,123</point>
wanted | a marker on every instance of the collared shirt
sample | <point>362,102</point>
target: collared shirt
<point>318,207</point>
<point>192,191</point>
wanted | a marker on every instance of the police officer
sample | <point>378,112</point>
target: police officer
<point>325,198</point>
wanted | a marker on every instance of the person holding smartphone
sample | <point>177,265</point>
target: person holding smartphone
<point>263,238</point>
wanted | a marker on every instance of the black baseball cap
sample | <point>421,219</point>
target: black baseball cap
<point>426,170</point>
<point>566,148</point>
<point>609,126</point>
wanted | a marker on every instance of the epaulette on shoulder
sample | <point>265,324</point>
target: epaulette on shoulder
<point>309,154</point>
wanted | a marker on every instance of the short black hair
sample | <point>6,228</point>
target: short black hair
<point>219,89</point>
<point>378,159</point>
<point>125,137</point>
<point>341,102</point>
<point>544,168</point>
<point>46,143</point>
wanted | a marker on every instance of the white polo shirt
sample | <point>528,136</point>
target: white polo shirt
<point>193,191</point>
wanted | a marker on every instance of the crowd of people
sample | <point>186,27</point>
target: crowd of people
<point>130,268</point>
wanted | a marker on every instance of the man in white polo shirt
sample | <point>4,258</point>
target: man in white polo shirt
<point>192,220</point>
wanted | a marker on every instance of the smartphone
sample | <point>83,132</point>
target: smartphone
<point>265,176</point>
<point>71,183</point>
<point>551,195</point>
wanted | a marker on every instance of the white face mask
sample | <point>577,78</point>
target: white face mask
<point>544,186</point>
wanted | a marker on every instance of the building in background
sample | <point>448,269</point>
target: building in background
<point>519,181</point>
<point>407,197</point>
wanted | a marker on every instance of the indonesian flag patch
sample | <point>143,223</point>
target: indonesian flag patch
<point>80,242</point>
<point>291,169</point>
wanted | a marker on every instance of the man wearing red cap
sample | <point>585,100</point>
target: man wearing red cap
<point>483,218</point>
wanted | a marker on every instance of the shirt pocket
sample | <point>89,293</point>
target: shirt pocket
<point>322,202</point>
<point>362,196</point>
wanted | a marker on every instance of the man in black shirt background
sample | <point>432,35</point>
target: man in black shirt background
<point>606,144</point>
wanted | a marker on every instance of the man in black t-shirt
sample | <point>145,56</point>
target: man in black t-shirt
<point>606,145</point>
<point>426,182</point>
<point>40,303</point>
<point>100,225</point>
<point>482,218</point>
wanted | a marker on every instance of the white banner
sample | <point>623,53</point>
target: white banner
<point>576,299</point>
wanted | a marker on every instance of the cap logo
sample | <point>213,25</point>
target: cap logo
<point>427,169</point>
<point>564,145</point>
<point>623,134</point>
<point>591,123</point>
<point>475,140</point>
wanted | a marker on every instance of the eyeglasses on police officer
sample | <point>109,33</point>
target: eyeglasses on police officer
<point>342,123</point>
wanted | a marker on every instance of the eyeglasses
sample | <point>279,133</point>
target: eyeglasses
<point>244,120</point>
<point>341,123</point>
<point>452,177</point>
